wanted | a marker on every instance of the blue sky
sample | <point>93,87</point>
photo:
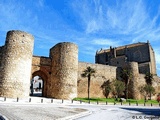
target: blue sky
<point>91,24</point>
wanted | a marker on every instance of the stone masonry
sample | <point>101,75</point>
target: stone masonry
<point>64,67</point>
<point>16,64</point>
<point>61,71</point>
<point>142,53</point>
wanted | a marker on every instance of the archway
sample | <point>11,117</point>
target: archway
<point>38,86</point>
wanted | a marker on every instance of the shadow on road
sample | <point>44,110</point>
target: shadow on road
<point>146,111</point>
<point>1,118</point>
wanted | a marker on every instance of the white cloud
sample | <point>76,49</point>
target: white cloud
<point>41,3</point>
<point>94,24</point>
<point>124,17</point>
<point>106,42</point>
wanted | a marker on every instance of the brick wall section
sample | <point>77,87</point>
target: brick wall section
<point>102,74</point>
<point>64,70</point>
<point>16,68</point>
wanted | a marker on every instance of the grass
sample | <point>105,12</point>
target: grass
<point>112,100</point>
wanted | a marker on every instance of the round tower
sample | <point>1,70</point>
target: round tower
<point>64,70</point>
<point>133,83</point>
<point>16,67</point>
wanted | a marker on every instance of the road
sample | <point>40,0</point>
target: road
<point>120,113</point>
<point>13,110</point>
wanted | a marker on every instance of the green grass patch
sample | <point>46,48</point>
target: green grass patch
<point>112,100</point>
<point>142,101</point>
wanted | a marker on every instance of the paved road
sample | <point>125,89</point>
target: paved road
<point>120,113</point>
<point>36,110</point>
<point>60,111</point>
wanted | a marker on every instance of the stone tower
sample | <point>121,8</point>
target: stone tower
<point>15,66</point>
<point>64,71</point>
<point>133,84</point>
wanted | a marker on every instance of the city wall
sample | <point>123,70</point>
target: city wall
<point>103,73</point>
<point>61,71</point>
<point>41,66</point>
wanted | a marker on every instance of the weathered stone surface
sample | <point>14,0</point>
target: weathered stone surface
<point>102,74</point>
<point>64,70</point>
<point>16,64</point>
<point>142,53</point>
<point>61,71</point>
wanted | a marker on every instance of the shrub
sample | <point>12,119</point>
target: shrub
<point>158,97</point>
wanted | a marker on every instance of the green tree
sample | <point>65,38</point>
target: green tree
<point>88,72</point>
<point>126,75</point>
<point>149,78</point>
<point>118,88</point>
<point>106,87</point>
<point>147,90</point>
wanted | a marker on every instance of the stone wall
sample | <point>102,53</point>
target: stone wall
<point>101,58</point>
<point>133,91</point>
<point>118,61</point>
<point>1,54</point>
<point>61,71</point>
<point>144,67</point>
<point>41,66</point>
<point>138,52</point>
<point>16,67</point>
<point>103,73</point>
<point>64,67</point>
<point>155,84</point>
<point>153,61</point>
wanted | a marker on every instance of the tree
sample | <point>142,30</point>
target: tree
<point>142,90</point>
<point>88,72</point>
<point>147,90</point>
<point>118,88</point>
<point>126,75</point>
<point>149,78</point>
<point>106,87</point>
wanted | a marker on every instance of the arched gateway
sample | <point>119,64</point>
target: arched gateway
<point>59,70</point>
<point>41,66</point>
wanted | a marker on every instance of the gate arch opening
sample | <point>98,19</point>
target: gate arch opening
<point>38,86</point>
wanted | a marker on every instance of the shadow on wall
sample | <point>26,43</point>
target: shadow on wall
<point>145,111</point>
